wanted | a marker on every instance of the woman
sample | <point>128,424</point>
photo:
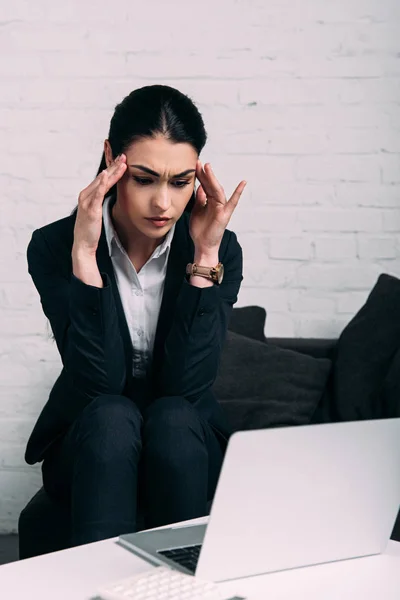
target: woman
<point>132,417</point>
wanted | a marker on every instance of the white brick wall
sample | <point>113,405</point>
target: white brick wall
<point>301,99</point>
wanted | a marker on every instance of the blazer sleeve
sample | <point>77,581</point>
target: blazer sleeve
<point>200,322</point>
<point>84,322</point>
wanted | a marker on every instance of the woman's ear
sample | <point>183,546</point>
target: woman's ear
<point>108,153</point>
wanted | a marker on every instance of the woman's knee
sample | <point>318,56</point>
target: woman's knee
<point>110,422</point>
<point>171,413</point>
<point>172,432</point>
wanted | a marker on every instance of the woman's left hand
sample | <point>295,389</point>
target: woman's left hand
<point>212,211</point>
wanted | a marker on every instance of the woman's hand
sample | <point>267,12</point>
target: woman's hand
<point>211,212</point>
<point>89,216</point>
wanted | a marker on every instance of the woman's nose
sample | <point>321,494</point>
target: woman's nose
<point>162,201</point>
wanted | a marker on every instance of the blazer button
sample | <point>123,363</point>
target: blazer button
<point>201,312</point>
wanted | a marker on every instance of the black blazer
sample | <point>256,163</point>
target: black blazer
<point>93,339</point>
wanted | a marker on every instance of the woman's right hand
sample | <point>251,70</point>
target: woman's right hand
<point>89,216</point>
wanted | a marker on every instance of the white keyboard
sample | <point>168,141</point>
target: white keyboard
<point>161,583</point>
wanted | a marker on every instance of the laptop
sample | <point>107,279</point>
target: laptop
<point>289,497</point>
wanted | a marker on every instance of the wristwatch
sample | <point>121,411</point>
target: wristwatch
<point>216,274</point>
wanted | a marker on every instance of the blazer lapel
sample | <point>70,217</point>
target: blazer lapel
<point>105,266</point>
<point>180,255</point>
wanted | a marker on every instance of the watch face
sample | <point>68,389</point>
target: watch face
<point>220,273</point>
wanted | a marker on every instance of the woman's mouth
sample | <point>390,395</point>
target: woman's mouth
<point>158,221</point>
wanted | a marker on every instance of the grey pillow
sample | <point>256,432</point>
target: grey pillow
<point>260,385</point>
<point>365,351</point>
<point>249,321</point>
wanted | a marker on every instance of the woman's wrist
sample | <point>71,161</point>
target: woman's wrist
<point>206,258</point>
<point>203,258</point>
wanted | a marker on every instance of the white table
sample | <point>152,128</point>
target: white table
<point>77,573</point>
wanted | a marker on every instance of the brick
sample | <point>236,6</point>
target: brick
<point>391,220</point>
<point>276,142</point>
<point>280,325</point>
<point>376,247</point>
<point>390,168</point>
<point>164,67</point>
<point>278,91</point>
<point>295,248</point>
<point>18,296</point>
<point>311,302</point>
<point>362,141</point>
<point>17,489</point>
<point>73,64</point>
<point>391,267</point>
<point>14,165</point>
<point>337,277</point>
<point>272,299</point>
<point>15,431</point>
<point>337,168</point>
<point>349,66</point>
<point>23,402</point>
<point>351,302</point>
<point>16,322</point>
<point>335,249</point>
<point>327,118</point>
<point>46,37</point>
<point>12,457</point>
<point>23,64</point>
<point>254,244</point>
<point>294,194</point>
<point>345,220</point>
<point>29,349</point>
<point>259,219</point>
<point>269,274</point>
<point>362,194</point>
<point>273,169</point>
<point>43,373</point>
<point>369,90</point>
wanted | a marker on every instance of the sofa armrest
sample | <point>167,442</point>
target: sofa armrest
<point>317,347</point>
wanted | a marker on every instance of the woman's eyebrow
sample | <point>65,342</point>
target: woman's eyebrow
<point>151,172</point>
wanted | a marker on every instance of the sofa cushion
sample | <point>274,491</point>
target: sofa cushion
<point>261,385</point>
<point>365,351</point>
<point>249,321</point>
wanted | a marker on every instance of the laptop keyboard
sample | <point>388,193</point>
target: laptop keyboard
<point>187,556</point>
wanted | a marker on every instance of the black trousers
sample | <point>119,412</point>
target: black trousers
<point>114,454</point>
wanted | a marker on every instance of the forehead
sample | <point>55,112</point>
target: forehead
<point>162,155</point>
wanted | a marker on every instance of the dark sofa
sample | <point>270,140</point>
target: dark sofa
<point>279,382</point>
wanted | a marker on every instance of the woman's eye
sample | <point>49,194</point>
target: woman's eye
<point>144,181</point>
<point>183,183</point>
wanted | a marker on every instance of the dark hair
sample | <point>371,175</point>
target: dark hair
<point>150,111</point>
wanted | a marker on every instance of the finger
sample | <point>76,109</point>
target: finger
<point>200,201</point>
<point>116,163</point>
<point>203,178</point>
<point>88,191</point>
<point>111,175</point>
<point>212,186</point>
<point>234,199</point>
<point>97,196</point>
<point>201,196</point>
<point>116,175</point>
